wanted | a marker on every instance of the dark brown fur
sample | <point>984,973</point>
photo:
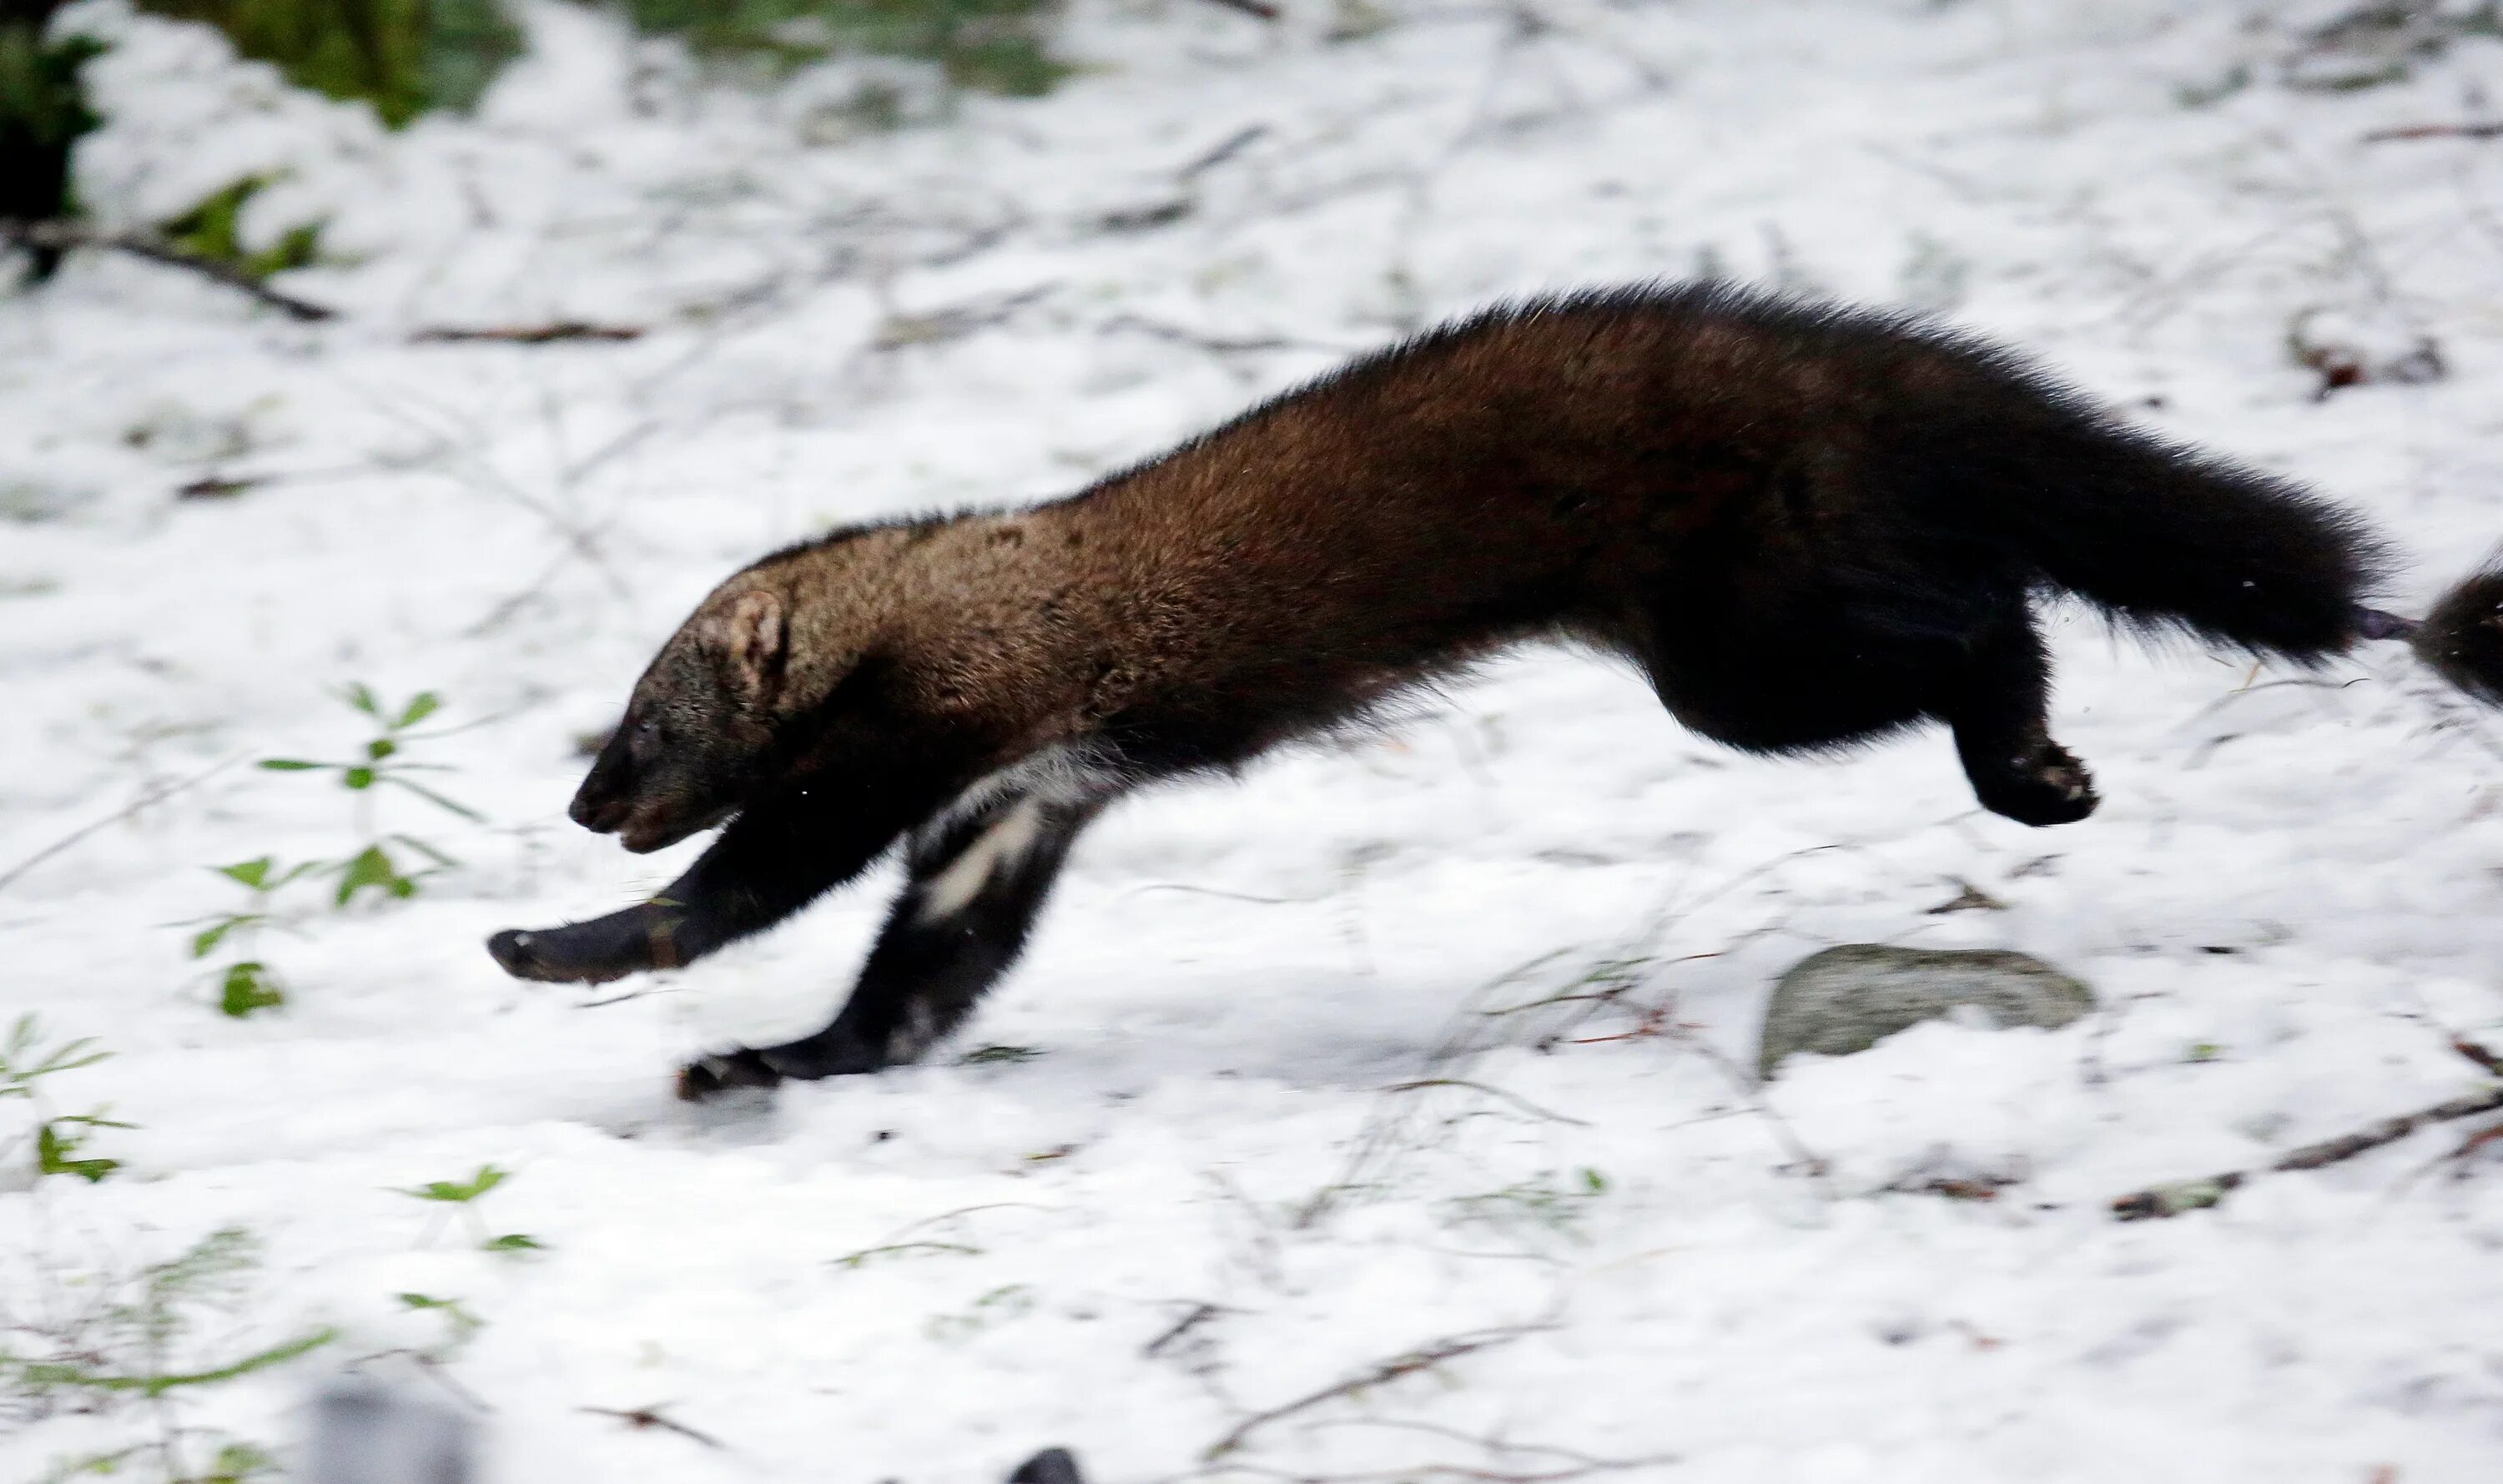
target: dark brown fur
<point>1810,527</point>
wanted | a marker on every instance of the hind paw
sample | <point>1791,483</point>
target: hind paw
<point>2046,787</point>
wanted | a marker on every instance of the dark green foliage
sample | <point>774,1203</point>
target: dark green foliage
<point>247,986</point>
<point>990,46</point>
<point>42,114</point>
<point>403,57</point>
<point>209,231</point>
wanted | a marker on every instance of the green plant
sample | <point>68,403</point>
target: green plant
<point>247,984</point>
<point>1011,1301</point>
<point>382,765</point>
<point>403,57</point>
<point>58,1137</point>
<point>997,46</point>
<point>134,1338</point>
<point>462,1195</point>
<point>460,1322</point>
<point>211,229</point>
<point>1544,1202</point>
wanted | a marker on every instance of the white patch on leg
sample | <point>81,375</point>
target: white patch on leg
<point>1001,844</point>
<point>1059,775</point>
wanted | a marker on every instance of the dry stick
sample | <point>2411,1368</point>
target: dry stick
<point>2436,131</point>
<point>1200,1314</point>
<point>1525,1105</point>
<point>1260,9</point>
<point>1225,150</point>
<point>2194,1194</point>
<point>525,334</point>
<point>152,797</point>
<point>61,236</point>
<point>642,1417</point>
<point>1423,1358</point>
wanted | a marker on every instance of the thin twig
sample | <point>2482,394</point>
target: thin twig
<point>1225,150</point>
<point>1423,1358</point>
<point>642,1417</point>
<point>1199,1314</point>
<point>61,236</point>
<point>2483,1058</point>
<point>1525,1105</point>
<point>2182,1195</point>
<point>2479,130</point>
<point>154,796</point>
<point>1260,10</point>
<point>525,334</point>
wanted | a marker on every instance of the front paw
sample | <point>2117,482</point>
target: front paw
<point>578,953</point>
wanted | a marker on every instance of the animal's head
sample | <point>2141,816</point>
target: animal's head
<point>703,728</point>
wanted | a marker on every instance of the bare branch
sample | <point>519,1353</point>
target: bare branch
<point>525,334</point>
<point>155,795</point>
<point>61,236</point>
<point>645,1417</point>
<point>2182,1195</point>
<point>1423,1358</point>
<point>2480,130</point>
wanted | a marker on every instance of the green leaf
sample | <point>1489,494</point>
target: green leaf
<point>246,988</point>
<point>380,748</point>
<point>373,867</point>
<point>420,706</point>
<point>252,873</point>
<point>293,765</point>
<point>463,1323</point>
<point>358,777</point>
<point>1594,1181</point>
<point>458,1192</point>
<point>56,1151</point>
<point>205,942</point>
<point>514,1241</point>
<point>363,698</point>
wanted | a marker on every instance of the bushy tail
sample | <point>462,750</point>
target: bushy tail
<point>2163,537</point>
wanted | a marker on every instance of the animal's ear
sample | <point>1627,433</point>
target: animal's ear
<point>753,634</point>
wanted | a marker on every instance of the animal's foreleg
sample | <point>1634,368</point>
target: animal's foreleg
<point>775,858</point>
<point>2000,709</point>
<point>976,886</point>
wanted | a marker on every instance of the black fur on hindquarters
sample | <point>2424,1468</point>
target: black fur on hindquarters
<point>948,939</point>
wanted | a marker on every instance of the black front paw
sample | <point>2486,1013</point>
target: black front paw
<point>585,953</point>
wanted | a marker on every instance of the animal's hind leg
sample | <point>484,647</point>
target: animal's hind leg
<point>977,882</point>
<point>1999,707</point>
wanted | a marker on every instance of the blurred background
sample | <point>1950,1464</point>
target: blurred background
<point>381,380</point>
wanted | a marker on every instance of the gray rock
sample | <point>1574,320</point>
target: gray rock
<point>1849,999</point>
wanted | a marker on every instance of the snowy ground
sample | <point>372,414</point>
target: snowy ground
<point>2287,901</point>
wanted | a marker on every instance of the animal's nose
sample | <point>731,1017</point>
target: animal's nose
<point>594,812</point>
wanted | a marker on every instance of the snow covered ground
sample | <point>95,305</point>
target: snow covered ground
<point>1212,1105</point>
